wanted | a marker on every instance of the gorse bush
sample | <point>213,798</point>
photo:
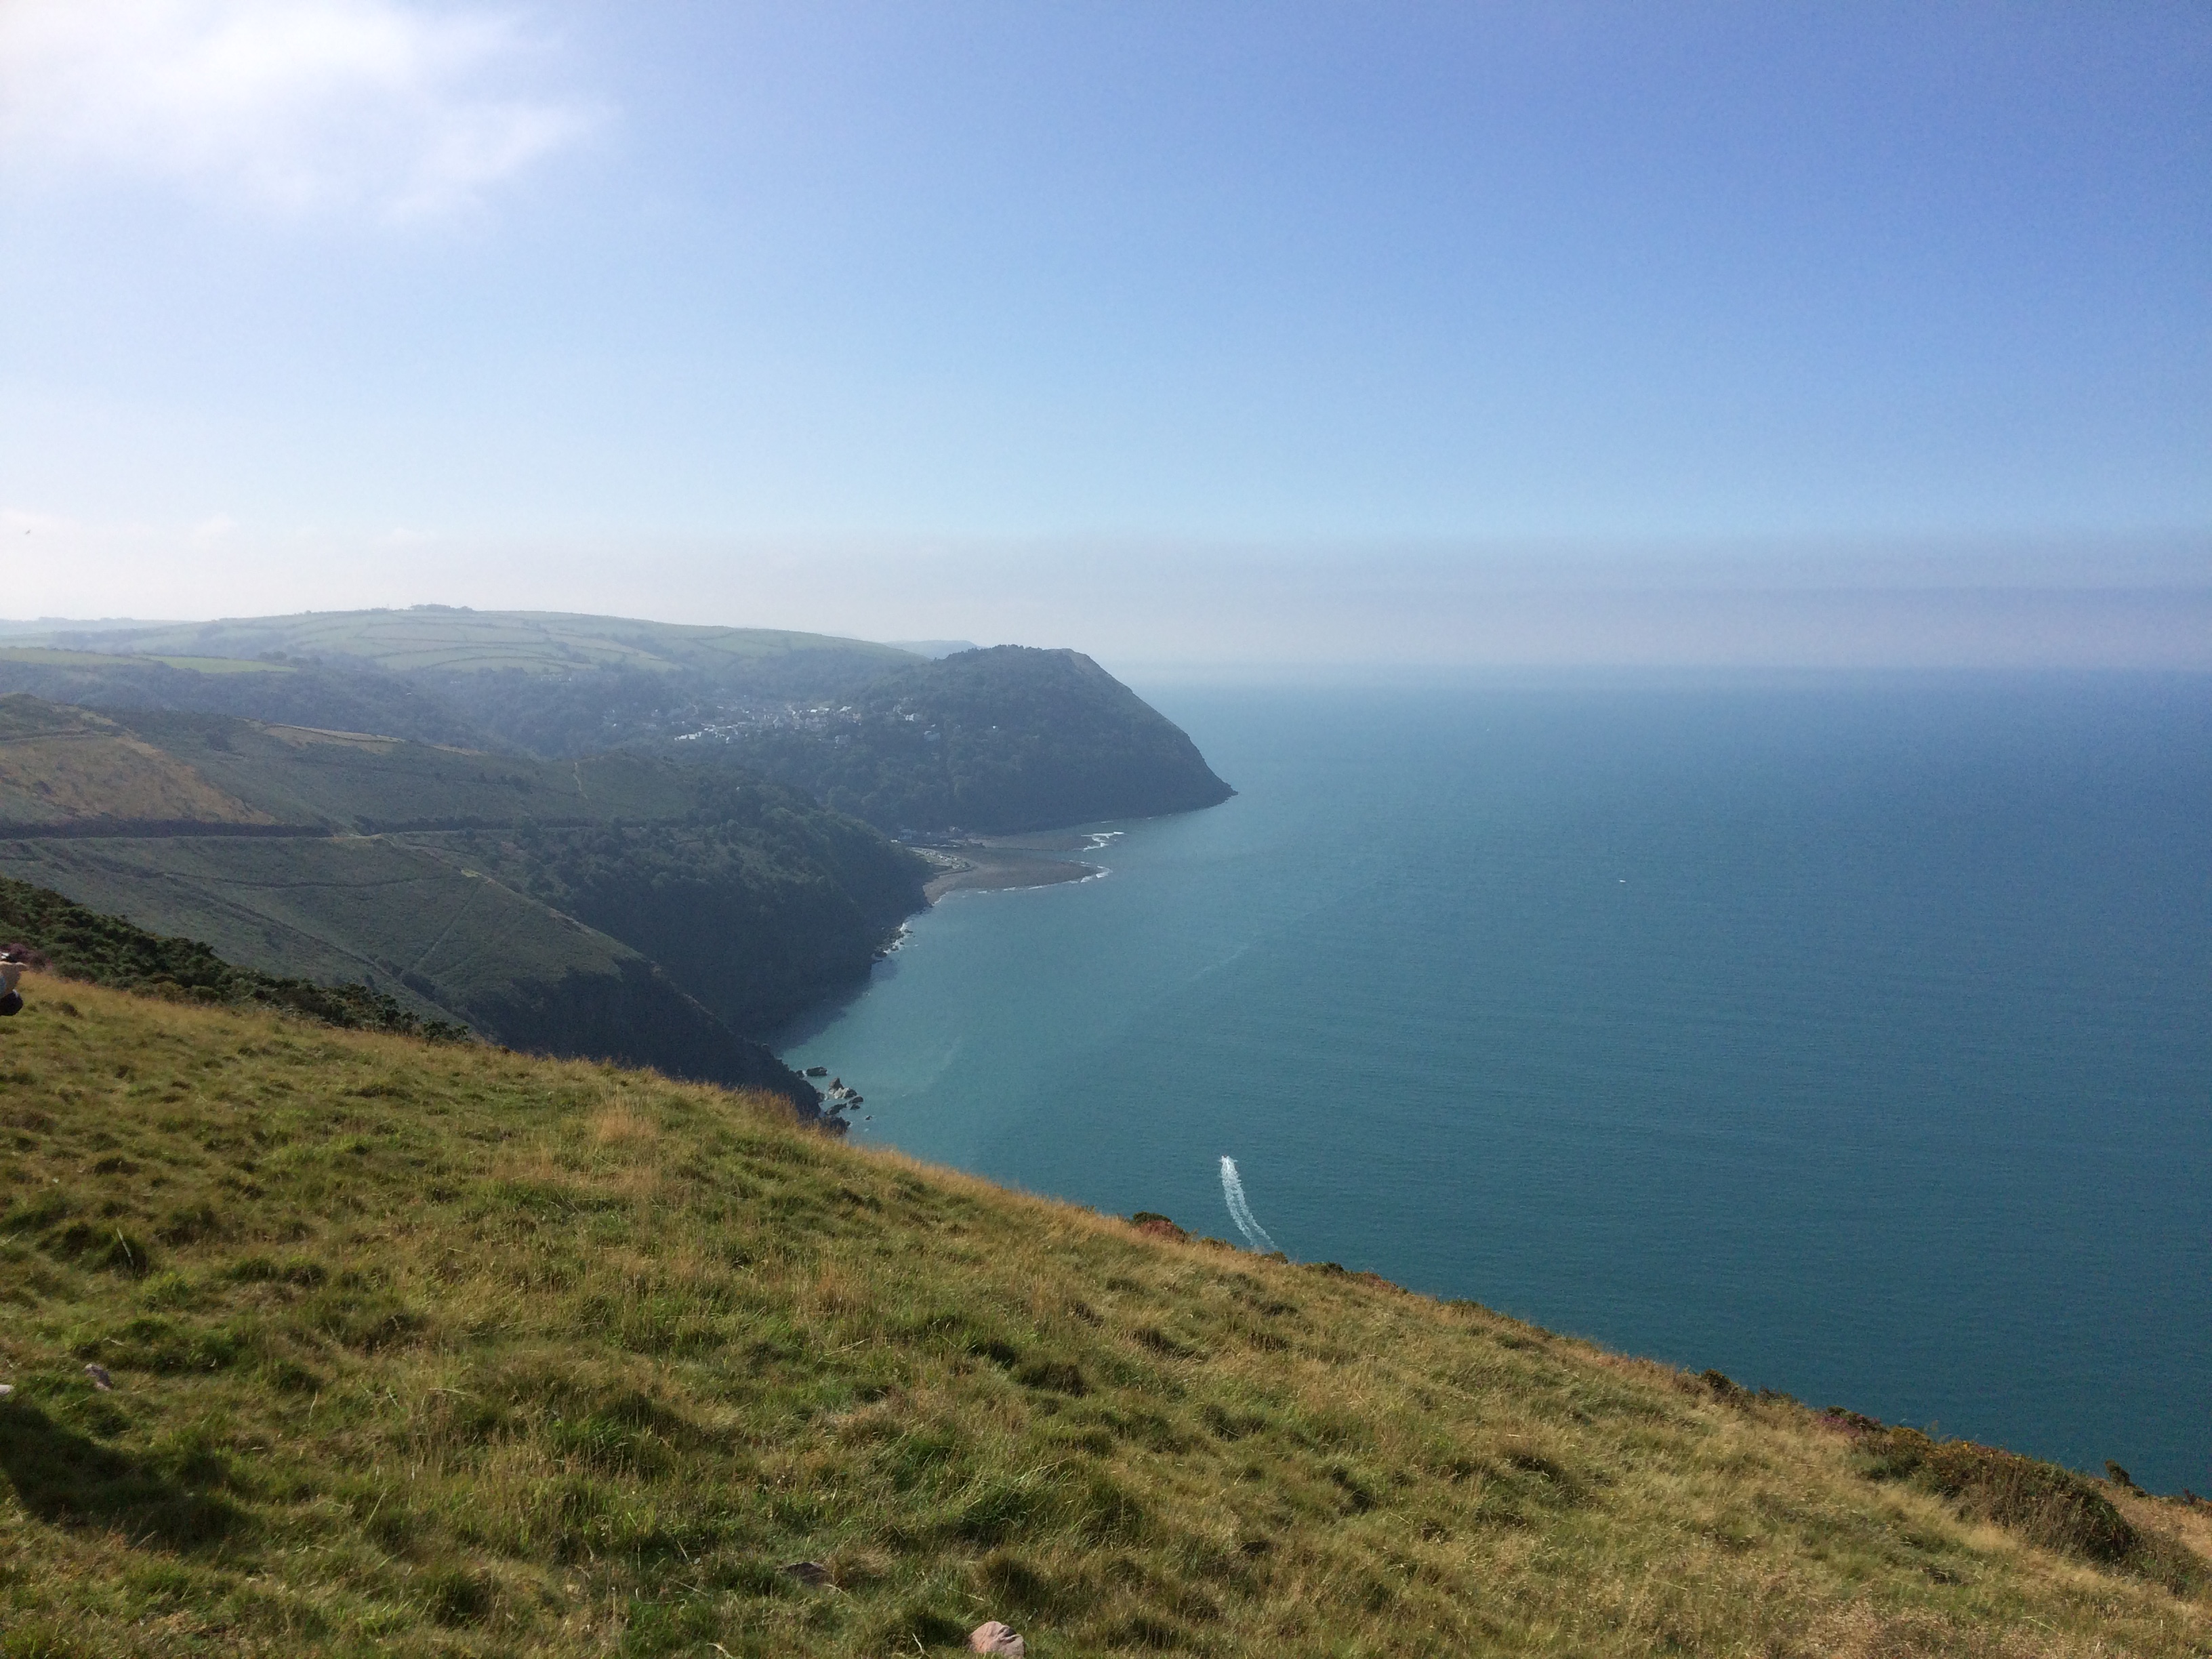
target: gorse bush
<point>2054,1507</point>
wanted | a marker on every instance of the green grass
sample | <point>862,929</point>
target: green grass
<point>79,943</point>
<point>59,763</point>
<point>441,943</point>
<point>356,908</point>
<point>357,781</point>
<point>434,1351</point>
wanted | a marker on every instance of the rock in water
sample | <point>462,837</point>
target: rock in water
<point>995,1637</point>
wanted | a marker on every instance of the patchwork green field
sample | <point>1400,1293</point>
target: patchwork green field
<point>439,1350</point>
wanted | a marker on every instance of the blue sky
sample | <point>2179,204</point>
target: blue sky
<point>341,301</point>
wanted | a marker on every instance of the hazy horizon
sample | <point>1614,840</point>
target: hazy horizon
<point>2144,605</point>
<point>1525,333</point>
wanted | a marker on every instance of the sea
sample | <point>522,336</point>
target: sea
<point>1848,1035</point>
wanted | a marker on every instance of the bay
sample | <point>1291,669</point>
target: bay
<point>1851,1036</point>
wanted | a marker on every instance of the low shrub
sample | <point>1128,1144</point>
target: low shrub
<point>2045,1504</point>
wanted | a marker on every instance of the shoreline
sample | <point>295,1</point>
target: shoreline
<point>999,864</point>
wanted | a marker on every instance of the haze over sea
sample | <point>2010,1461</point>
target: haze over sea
<point>1851,1036</point>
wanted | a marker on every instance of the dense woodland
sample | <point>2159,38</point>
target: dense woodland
<point>757,901</point>
<point>993,742</point>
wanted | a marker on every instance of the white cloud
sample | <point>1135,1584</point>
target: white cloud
<point>302,105</point>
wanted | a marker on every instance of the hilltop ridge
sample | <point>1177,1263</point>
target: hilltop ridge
<point>459,640</point>
<point>942,737</point>
<point>439,1350</point>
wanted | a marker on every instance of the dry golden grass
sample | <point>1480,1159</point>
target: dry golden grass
<point>446,1350</point>
<point>107,773</point>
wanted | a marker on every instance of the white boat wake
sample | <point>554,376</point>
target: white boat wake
<point>1233,1194</point>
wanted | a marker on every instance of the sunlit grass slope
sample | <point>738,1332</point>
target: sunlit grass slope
<point>439,1350</point>
<point>59,763</point>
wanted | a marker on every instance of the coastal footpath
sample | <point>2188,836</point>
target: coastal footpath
<point>328,1341</point>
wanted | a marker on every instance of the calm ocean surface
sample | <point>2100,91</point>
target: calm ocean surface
<point>1853,1036</point>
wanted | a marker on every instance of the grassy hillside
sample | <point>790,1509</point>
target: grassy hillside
<point>367,782</point>
<point>59,764</point>
<point>447,942</point>
<point>81,944</point>
<point>347,696</point>
<point>756,900</point>
<point>439,1350</point>
<point>994,741</point>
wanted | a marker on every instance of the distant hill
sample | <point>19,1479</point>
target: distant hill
<point>618,906</point>
<point>544,683</point>
<point>45,626</point>
<point>455,640</point>
<point>994,741</point>
<point>924,740</point>
<point>326,1343</point>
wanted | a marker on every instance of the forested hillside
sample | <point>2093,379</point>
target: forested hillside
<point>755,898</point>
<point>993,742</point>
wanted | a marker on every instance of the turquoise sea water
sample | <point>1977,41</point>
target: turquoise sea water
<point>1853,1036</point>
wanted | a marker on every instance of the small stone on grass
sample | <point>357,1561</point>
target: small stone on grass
<point>995,1637</point>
